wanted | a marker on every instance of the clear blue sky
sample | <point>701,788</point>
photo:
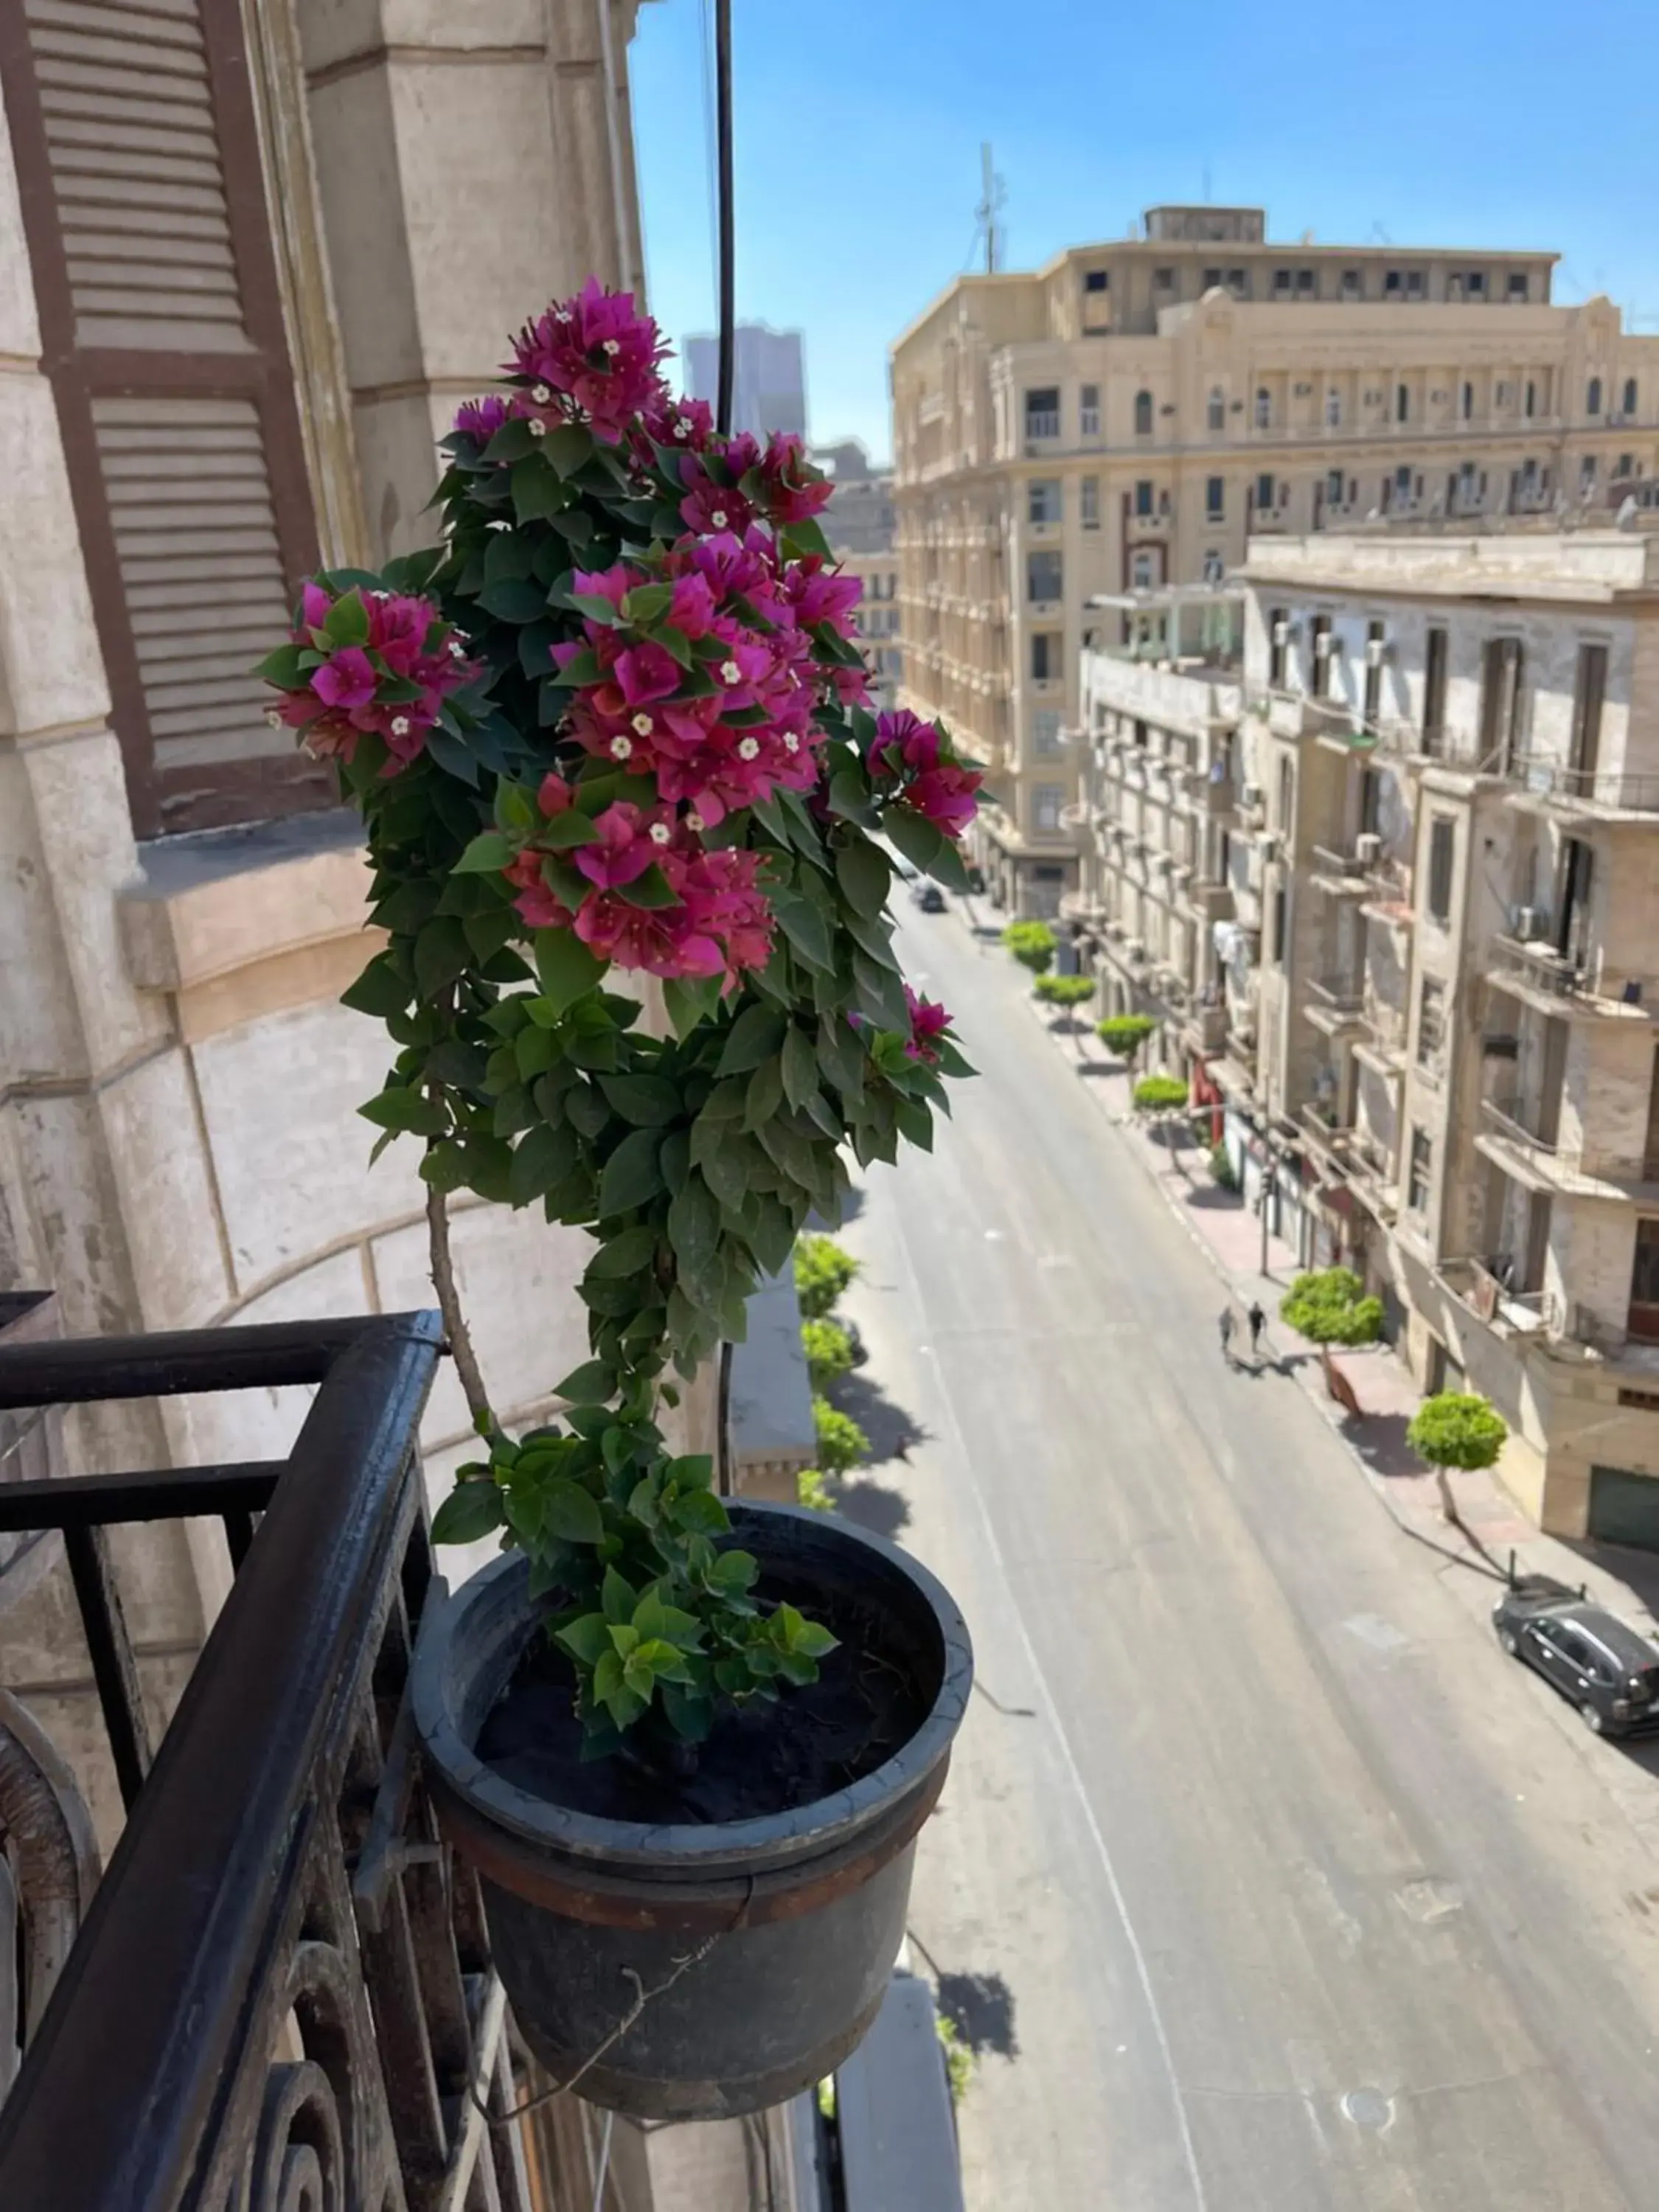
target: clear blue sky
<point>1496,122</point>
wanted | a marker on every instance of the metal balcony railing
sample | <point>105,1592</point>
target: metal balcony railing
<point>1593,789</point>
<point>1338,993</point>
<point>283,1995</point>
<point>1506,1115</point>
<point>1566,975</point>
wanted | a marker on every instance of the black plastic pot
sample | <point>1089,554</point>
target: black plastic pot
<point>792,1921</point>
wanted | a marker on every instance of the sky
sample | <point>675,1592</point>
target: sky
<point>858,125</point>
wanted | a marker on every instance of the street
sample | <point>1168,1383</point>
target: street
<point>1262,1879</point>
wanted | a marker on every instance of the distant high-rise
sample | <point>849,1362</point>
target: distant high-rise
<point>770,388</point>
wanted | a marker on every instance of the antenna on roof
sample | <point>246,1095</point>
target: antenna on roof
<point>993,196</point>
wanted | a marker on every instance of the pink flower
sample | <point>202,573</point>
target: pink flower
<point>688,423</point>
<point>315,605</point>
<point>599,354</point>
<point>794,489</point>
<point>481,418</point>
<point>624,849</point>
<point>928,1020</point>
<point>904,740</point>
<point>691,609</point>
<point>912,760</point>
<point>710,509</point>
<point>410,649</point>
<point>554,796</point>
<point>346,681</point>
<point>819,594</point>
<point>947,796</point>
<point>614,583</point>
<point>645,672</point>
<point>535,902</point>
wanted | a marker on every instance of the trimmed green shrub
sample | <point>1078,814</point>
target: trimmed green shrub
<point>1457,1428</point>
<point>1032,944</point>
<point>1329,1306</point>
<point>958,2057</point>
<point>812,1492</point>
<point>822,1271</point>
<point>828,1352</point>
<point>1064,990</point>
<point>1222,1169</point>
<point>1156,1093</point>
<point>841,1443</point>
<point>1125,1034</point>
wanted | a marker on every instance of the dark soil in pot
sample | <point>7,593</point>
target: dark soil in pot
<point>870,1699</point>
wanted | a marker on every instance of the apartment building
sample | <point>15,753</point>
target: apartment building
<point>1442,1026</point>
<point>1162,699</point>
<point>768,377</point>
<point>859,524</point>
<point>1126,415</point>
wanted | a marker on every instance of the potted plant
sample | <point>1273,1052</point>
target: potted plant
<point>612,730</point>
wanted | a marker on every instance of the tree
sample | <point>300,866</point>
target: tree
<point>1456,1428</point>
<point>1066,991</point>
<point>1125,1034</point>
<point>1032,944</point>
<point>822,1271</point>
<point>841,1443</point>
<point>1156,1094</point>
<point>828,1352</point>
<point>1329,1306</point>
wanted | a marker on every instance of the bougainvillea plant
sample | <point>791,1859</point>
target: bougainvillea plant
<point>613,727</point>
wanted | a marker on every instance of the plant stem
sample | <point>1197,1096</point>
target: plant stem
<point>449,1304</point>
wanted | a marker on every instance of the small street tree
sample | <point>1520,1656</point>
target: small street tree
<point>1456,1428</point>
<point>1329,1306</point>
<point>1032,944</point>
<point>1066,991</point>
<point>1156,1094</point>
<point>1124,1035</point>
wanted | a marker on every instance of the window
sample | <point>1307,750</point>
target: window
<point>1215,498</point>
<point>1215,566</point>
<point>1392,285</point>
<point>1593,396</point>
<point>1265,501</point>
<point>1443,836</point>
<point>1163,280</point>
<point>1088,411</point>
<point>1043,411</point>
<point>1282,280</point>
<point>1211,280</point>
<point>1238,283</point>
<point>1332,408</point>
<point>1587,476</point>
<point>1434,689</point>
<point>1306,284</point>
<point>1279,624</point>
<point>1643,1319</point>
<point>1371,706</point>
<point>1352,284</point>
<point>1264,409</point>
<point>1044,500</point>
<point>1531,406</point>
<point>1466,406</point>
<point>1402,403</point>
<point>1143,414</point>
<point>1046,799</point>
<point>1284,817</point>
<point>1431,1021</point>
<point>1144,496</point>
<point>1143,571</point>
<point>1281,924</point>
<point>1046,646</point>
<point>1043,576</point>
<point>1097,280</point>
<point>1477,284</point>
<point>1217,415</point>
<point>1046,738</point>
<point>1089,502</point>
<point>1422,1161</point>
<point>1628,404</point>
<point>1334,487</point>
<point>1320,655</point>
<point>1624,465</point>
<point>1413,283</point>
<point>1517,286</point>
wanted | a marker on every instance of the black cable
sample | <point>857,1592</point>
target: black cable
<point>728,334</point>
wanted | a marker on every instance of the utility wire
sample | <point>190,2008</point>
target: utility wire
<point>727,272</point>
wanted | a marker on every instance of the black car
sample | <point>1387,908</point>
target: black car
<point>929,897</point>
<point>1609,1672</point>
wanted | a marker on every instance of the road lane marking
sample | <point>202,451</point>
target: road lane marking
<point>1050,1712</point>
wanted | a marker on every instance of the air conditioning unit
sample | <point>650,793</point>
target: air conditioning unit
<point>1325,645</point>
<point>1283,633</point>
<point>1368,849</point>
<point>1526,922</point>
<point>1267,849</point>
<point>1376,652</point>
<point>1250,796</point>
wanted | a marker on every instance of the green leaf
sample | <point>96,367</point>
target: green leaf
<point>348,621</point>
<point>544,1156</point>
<point>566,446</point>
<point>632,1174</point>
<point>486,854</point>
<point>764,1095</point>
<point>881,994</point>
<point>470,1510</point>
<point>648,603</point>
<point>649,890</point>
<point>801,1066</point>
<point>690,1002</point>
<point>694,1221</point>
<point>734,1570</point>
<point>757,1034</point>
<point>591,1384</point>
<point>514,600</point>
<point>567,830</point>
<point>623,1255</point>
<point>648,1101</point>
<point>849,795</point>
<point>511,442</point>
<point>916,837</point>
<point>282,668</point>
<point>572,1514</point>
<point>726,1170</point>
<point>441,953</point>
<point>619,1597</point>
<point>865,876</point>
<point>379,990</point>
<point>586,1639</point>
<point>538,490</point>
<point>701,1511</point>
<point>406,1112</point>
<point>691,1715</point>
<point>565,966</point>
<point>805,926</point>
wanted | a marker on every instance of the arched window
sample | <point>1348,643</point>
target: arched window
<point>1593,396</point>
<point>1629,405</point>
<point>1264,409</point>
<point>1143,414</point>
<point>1402,403</point>
<point>1219,408</point>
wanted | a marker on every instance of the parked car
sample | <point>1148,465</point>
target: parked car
<point>928,896</point>
<point>1595,1659</point>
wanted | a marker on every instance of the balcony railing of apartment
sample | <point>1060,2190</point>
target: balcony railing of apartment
<point>1204,1030</point>
<point>1345,873</point>
<point>1556,975</point>
<point>1507,1114</point>
<point>1591,790</point>
<point>1482,1286</point>
<point>1341,995</point>
<point>282,1997</point>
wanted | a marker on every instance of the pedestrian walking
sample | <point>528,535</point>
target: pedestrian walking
<point>1226,1326</point>
<point>1258,1322</point>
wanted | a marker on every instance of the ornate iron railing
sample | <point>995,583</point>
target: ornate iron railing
<point>282,1995</point>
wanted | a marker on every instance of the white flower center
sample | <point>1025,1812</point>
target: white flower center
<point>718,517</point>
<point>621,748</point>
<point>457,650</point>
<point>694,820</point>
<point>538,428</point>
<point>273,718</point>
<point>400,726</point>
<point>682,430</point>
<point>791,742</point>
<point>660,833</point>
<point>541,393</point>
<point>748,747</point>
<point>730,672</point>
<point>612,346</point>
<point>642,723</point>
<point>563,316</point>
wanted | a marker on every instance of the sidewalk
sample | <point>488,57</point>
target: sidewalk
<point>1229,1236</point>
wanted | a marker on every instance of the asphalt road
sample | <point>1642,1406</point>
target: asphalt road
<point>1262,1879</point>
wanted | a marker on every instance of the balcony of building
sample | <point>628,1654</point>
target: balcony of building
<point>1204,1031</point>
<point>1347,871</point>
<point>1206,899</point>
<point>1521,1134</point>
<point>1584,796</point>
<point>1580,984</point>
<point>1335,1002</point>
<point>1381,1045</point>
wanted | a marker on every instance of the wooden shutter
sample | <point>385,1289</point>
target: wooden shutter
<point>150,237</point>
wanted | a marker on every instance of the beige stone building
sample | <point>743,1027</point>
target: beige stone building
<point>1440,1027</point>
<point>1128,415</point>
<point>859,523</point>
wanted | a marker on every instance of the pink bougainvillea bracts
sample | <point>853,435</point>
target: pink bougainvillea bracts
<point>592,359</point>
<point>913,760</point>
<point>366,662</point>
<point>929,1022</point>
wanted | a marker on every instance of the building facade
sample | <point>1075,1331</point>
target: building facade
<point>1440,1042</point>
<point>1126,415</point>
<point>859,524</point>
<point>769,383</point>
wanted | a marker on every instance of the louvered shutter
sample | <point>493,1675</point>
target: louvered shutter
<point>149,239</point>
